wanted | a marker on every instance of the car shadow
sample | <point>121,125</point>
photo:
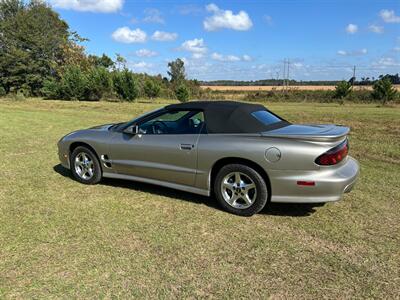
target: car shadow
<point>273,209</point>
<point>147,188</point>
<point>290,209</point>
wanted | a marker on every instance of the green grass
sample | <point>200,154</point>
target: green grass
<point>62,239</point>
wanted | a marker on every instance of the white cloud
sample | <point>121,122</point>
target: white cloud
<point>188,9</point>
<point>128,36</point>
<point>220,57</point>
<point>387,62</point>
<point>163,36</point>
<point>363,51</point>
<point>103,6</point>
<point>197,55</point>
<point>376,28</point>
<point>153,15</point>
<point>141,65</point>
<point>230,58</point>
<point>247,57</point>
<point>351,28</point>
<point>195,46</point>
<point>146,53</point>
<point>226,19</point>
<point>353,53</point>
<point>268,19</point>
<point>298,65</point>
<point>389,16</point>
<point>396,49</point>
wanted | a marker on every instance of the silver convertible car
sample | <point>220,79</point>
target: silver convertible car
<point>243,153</point>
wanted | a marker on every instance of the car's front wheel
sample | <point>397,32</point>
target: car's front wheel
<point>85,166</point>
<point>240,189</point>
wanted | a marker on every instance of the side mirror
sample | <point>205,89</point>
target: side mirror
<point>134,130</point>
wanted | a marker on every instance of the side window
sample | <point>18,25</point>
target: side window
<point>174,122</point>
<point>197,122</point>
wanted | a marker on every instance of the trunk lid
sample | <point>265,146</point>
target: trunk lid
<point>310,132</point>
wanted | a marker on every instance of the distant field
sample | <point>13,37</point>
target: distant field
<point>118,239</point>
<point>269,88</point>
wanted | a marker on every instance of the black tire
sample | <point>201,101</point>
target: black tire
<point>97,172</point>
<point>261,196</point>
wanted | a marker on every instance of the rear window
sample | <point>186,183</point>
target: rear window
<point>266,117</point>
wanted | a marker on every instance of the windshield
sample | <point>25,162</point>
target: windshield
<point>266,117</point>
<point>120,126</point>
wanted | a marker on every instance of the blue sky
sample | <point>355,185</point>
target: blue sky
<point>243,40</point>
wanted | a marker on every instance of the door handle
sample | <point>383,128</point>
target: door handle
<point>187,146</point>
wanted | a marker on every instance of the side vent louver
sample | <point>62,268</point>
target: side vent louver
<point>106,161</point>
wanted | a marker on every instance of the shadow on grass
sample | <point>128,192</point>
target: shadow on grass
<point>273,209</point>
<point>291,210</point>
<point>147,188</point>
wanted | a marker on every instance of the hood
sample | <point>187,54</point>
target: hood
<point>101,127</point>
<point>311,132</point>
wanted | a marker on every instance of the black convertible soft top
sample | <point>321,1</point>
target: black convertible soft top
<point>229,116</point>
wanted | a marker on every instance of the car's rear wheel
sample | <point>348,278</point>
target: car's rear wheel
<point>240,189</point>
<point>85,166</point>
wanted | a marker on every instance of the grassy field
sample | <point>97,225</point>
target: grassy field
<point>62,239</point>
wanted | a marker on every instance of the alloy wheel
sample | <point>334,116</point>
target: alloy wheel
<point>239,190</point>
<point>84,166</point>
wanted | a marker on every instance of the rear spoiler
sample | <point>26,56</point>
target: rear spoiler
<point>328,133</point>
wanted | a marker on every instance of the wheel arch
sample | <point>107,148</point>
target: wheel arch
<point>75,145</point>
<point>238,160</point>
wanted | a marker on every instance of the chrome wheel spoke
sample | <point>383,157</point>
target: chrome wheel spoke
<point>228,186</point>
<point>247,199</point>
<point>249,186</point>
<point>237,178</point>
<point>233,199</point>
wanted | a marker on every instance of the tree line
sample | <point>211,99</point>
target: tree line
<point>265,82</point>
<point>40,56</point>
<point>394,79</point>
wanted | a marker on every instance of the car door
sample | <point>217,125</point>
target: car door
<point>164,148</point>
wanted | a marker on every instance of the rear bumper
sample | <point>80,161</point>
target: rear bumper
<point>330,184</point>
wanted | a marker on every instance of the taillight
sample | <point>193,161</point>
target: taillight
<point>333,156</point>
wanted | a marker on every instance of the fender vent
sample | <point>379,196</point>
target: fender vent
<point>106,161</point>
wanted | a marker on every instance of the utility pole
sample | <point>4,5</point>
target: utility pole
<point>284,74</point>
<point>354,76</point>
<point>288,70</point>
